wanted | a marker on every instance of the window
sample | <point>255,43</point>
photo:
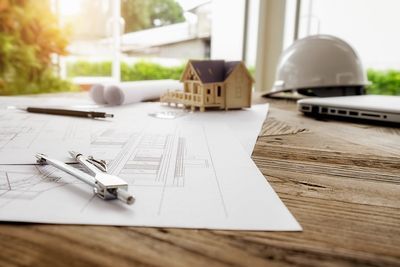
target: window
<point>114,40</point>
<point>133,39</point>
<point>94,42</point>
<point>124,37</point>
<point>219,91</point>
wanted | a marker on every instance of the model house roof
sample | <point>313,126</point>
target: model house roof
<point>211,71</point>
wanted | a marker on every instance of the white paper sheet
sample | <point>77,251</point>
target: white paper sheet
<point>245,124</point>
<point>71,100</point>
<point>191,172</point>
<point>184,174</point>
<point>132,92</point>
<point>23,134</point>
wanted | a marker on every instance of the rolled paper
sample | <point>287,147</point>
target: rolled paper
<point>133,92</point>
<point>97,93</point>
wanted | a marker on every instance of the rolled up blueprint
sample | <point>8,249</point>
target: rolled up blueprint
<point>133,92</point>
<point>97,93</point>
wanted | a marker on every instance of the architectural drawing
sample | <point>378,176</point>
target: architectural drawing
<point>22,135</point>
<point>143,159</point>
<point>19,134</point>
<point>24,185</point>
<point>184,173</point>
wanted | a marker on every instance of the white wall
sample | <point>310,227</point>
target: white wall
<point>252,32</point>
<point>227,29</point>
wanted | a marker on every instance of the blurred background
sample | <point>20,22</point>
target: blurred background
<point>67,45</point>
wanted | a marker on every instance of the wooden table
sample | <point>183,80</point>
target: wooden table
<point>340,180</point>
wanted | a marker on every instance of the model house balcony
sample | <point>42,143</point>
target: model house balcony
<point>186,99</point>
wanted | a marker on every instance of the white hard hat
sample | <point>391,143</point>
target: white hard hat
<point>321,65</point>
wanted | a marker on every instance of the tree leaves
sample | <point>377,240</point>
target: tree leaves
<point>139,14</point>
<point>141,70</point>
<point>384,82</point>
<point>29,36</point>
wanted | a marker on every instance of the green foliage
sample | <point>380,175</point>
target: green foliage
<point>139,14</point>
<point>384,82</point>
<point>252,71</point>
<point>129,72</point>
<point>149,71</point>
<point>84,68</point>
<point>136,15</point>
<point>165,11</point>
<point>29,36</point>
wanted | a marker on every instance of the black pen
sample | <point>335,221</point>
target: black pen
<point>68,112</point>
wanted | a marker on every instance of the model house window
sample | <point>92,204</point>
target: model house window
<point>219,91</point>
<point>208,91</point>
<point>191,75</point>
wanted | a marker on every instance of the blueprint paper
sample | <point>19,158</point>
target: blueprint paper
<point>65,100</point>
<point>190,172</point>
<point>245,124</point>
<point>184,174</point>
<point>23,134</point>
<point>133,92</point>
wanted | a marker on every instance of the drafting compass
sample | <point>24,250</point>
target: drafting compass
<point>105,186</point>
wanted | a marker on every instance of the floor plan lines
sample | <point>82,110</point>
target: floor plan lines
<point>19,131</point>
<point>22,135</point>
<point>113,145</point>
<point>16,136</point>
<point>111,137</point>
<point>179,173</point>
<point>148,163</point>
<point>25,185</point>
<point>159,160</point>
<point>5,185</point>
<point>185,160</point>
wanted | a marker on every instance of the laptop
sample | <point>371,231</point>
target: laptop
<point>366,107</point>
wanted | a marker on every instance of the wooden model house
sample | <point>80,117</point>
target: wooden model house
<point>213,84</point>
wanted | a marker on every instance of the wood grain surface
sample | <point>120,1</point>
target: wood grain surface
<point>340,180</point>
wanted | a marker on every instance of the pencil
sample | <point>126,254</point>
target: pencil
<point>69,112</point>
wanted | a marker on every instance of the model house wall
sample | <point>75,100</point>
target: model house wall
<point>239,82</point>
